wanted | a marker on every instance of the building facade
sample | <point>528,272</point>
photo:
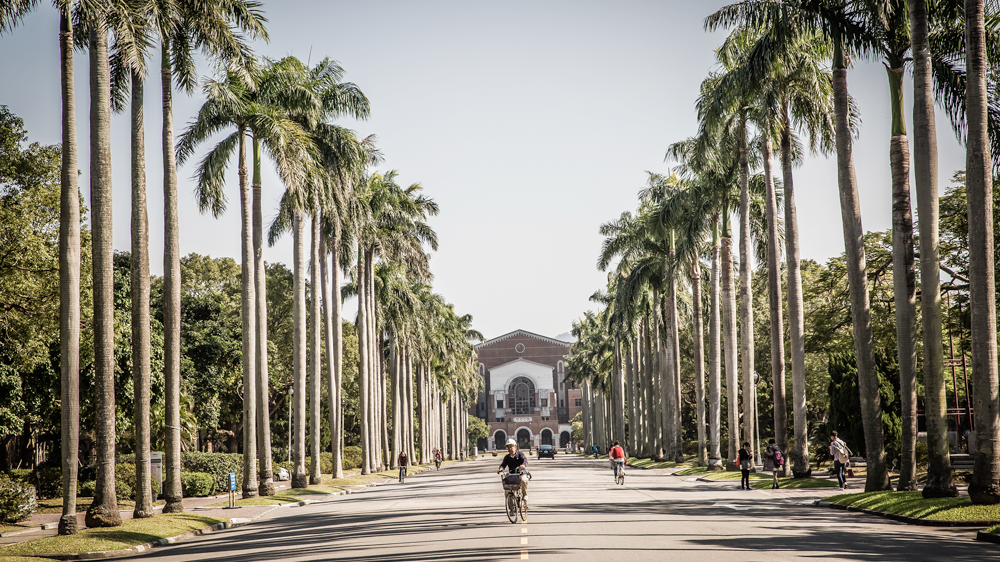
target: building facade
<point>528,395</point>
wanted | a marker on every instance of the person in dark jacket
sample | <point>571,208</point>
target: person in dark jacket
<point>403,462</point>
<point>513,461</point>
<point>773,461</point>
<point>746,463</point>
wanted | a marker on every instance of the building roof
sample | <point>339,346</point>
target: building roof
<point>522,360</point>
<point>522,333</point>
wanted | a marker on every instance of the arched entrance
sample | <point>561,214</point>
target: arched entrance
<point>546,437</point>
<point>564,439</point>
<point>499,439</point>
<point>523,439</point>
<point>522,395</point>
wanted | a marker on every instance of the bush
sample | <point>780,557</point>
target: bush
<point>22,475</point>
<point>123,491</point>
<point>47,481</point>
<point>326,463</point>
<point>17,500</point>
<point>352,457</point>
<point>219,465</point>
<point>85,489</point>
<point>125,473</point>
<point>197,484</point>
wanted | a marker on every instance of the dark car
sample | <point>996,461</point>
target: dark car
<point>546,451</point>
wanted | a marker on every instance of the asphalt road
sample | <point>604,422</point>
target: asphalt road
<point>576,514</point>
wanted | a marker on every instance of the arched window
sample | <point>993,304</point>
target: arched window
<point>482,370</point>
<point>522,395</point>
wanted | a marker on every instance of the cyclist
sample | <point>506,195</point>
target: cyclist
<point>515,461</point>
<point>402,461</point>
<point>593,449</point>
<point>437,459</point>
<point>617,456</point>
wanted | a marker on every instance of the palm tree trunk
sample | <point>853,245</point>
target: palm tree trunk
<point>332,388</point>
<point>905,300</point>
<point>699,358</point>
<point>363,365</point>
<point>729,340</point>
<point>316,357</point>
<point>675,374</point>
<point>984,488</point>
<point>656,405</point>
<point>714,360</point>
<point>618,392</point>
<point>104,510</point>
<point>633,413</point>
<point>140,308</point>
<point>172,491</point>
<point>299,363</point>
<point>850,207</point>
<point>263,379</point>
<point>69,281</point>
<point>775,305</point>
<point>796,316</point>
<point>249,329</point>
<point>746,296</point>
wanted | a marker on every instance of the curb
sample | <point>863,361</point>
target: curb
<point>914,520</point>
<point>988,537</point>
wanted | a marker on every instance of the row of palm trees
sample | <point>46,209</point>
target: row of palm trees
<point>283,109</point>
<point>773,87</point>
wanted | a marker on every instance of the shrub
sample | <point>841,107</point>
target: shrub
<point>219,465</point>
<point>123,491</point>
<point>85,489</point>
<point>22,475</point>
<point>352,457</point>
<point>47,481</point>
<point>326,463</point>
<point>17,500</point>
<point>197,484</point>
<point>125,473</point>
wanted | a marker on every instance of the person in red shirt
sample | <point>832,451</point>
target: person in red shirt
<point>617,455</point>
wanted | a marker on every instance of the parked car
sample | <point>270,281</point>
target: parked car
<point>546,451</point>
<point>283,475</point>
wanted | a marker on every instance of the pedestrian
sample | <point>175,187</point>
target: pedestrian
<point>403,462</point>
<point>746,463</point>
<point>774,460</point>
<point>841,459</point>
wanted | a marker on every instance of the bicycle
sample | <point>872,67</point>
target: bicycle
<point>402,474</point>
<point>437,464</point>
<point>619,466</point>
<point>514,502</point>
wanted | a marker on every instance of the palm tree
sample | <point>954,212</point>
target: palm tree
<point>69,259</point>
<point>103,512</point>
<point>979,185</point>
<point>216,29</point>
<point>789,20</point>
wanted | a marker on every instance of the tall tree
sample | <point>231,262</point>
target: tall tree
<point>984,488</point>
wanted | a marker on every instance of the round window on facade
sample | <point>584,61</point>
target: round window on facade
<point>519,348</point>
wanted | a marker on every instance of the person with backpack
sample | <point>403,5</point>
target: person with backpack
<point>841,458</point>
<point>774,460</point>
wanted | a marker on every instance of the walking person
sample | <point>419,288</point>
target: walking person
<point>746,463</point>
<point>773,461</point>
<point>403,462</point>
<point>841,459</point>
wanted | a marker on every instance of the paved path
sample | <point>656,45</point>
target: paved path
<point>577,514</point>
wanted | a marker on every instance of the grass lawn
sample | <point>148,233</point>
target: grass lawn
<point>993,529</point>
<point>734,475</point>
<point>12,527</point>
<point>796,483</point>
<point>913,504</point>
<point>650,463</point>
<point>131,533</point>
<point>54,505</point>
<point>25,559</point>
<point>692,470</point>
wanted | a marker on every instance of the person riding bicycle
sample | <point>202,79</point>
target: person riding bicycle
<point>617,456</point>
<point>593,449</point>
<point>515,461</point>
<point>437,459</point>
<point>403,462</point>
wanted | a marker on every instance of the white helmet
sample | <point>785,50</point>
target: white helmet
<point>511,442</point>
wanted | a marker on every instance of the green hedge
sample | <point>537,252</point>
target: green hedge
<point>352,457</point>
<point>86,489</point>
<point>219,465</point>
<point>47,481</point>
<point>125,474</point>
<point>197,484</point>
<point>17,500</point>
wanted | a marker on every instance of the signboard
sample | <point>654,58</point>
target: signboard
<point>232,481</point>
<point>156,468</point>
<point>522,420</point>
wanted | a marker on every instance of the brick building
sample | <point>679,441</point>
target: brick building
<point>528,395</point>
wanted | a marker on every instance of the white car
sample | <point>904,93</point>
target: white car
<point>283,475</point>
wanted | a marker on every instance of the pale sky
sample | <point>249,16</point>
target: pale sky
<point>530,123</point>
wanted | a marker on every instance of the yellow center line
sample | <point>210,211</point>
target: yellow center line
<point>524,555</point>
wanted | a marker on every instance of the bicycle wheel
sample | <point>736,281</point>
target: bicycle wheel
<point>621,476</point>
<point>511,507</point>
<point>523,508</point>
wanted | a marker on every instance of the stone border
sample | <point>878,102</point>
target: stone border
<point>231,523</point>
<point>988,537</point>
<point>908,520</point>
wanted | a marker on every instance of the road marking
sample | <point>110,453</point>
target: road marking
<point>524,529</point>
<point>524,540</point>
<point>740,507</point>
<point>524,555</point>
